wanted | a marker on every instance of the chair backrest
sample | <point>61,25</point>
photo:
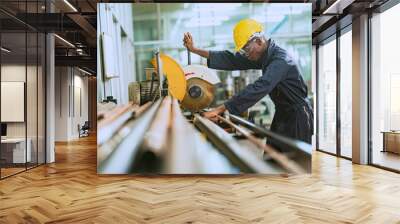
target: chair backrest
<point>86,125</point>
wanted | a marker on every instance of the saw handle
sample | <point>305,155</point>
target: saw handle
<point>189,59</point>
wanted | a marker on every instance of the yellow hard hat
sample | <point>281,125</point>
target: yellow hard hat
<point>243,30</point>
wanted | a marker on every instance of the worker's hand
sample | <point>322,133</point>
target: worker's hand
<point>188,41</point>
<point>212,114</point>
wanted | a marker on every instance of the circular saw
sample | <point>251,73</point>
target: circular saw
<point>193,85</point>
<point>200,82</point>
<point>199,95</point>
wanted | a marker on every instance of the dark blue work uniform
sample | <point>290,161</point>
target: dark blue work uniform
<point>281,79</point>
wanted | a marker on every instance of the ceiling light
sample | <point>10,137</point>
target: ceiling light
<point>84,71</point>
<point>334,7</point>
<point>70,5</point>
<point>5,50</point>
<point>64,40</point>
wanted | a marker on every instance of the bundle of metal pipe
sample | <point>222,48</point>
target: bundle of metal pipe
<point>161,140</point>
<point>124,143</point>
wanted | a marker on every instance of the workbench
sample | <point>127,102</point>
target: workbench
<point>391,141</point>
<point>13,150</point>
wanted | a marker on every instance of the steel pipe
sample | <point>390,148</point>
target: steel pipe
<point>155,139</point>
<point>180,155</point>
<point>244,159</point>
<point>126,143</point>
<point>183,149</point>
<point>113,120</point>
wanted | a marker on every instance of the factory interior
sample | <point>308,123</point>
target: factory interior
<point>123,90</point>
<point>92,132</point>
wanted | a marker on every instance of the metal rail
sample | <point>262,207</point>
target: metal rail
<point>280,158</point>
<point>301,151</point>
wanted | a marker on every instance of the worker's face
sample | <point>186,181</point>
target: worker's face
<point>253,49</point>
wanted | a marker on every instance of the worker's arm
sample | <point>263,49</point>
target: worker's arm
<point>201,52</point>
<point>274,73</point>
<point>223,60</point>
<point>189,44</point>
<point>226,60</point>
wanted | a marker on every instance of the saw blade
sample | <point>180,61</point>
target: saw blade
<point>199,94</point>
<point>175,75</point>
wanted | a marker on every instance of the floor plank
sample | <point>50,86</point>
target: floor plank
<point>70,191</point>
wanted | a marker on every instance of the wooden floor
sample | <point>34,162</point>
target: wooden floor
<point>10,171</point>
<point>70,191</point>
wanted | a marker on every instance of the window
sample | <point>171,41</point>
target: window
<point>327,96</point>
<point>22,77</point>
<point>346,94</point>
<point>385,89</point>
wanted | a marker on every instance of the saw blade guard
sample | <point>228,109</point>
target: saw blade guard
<point>202,72</point>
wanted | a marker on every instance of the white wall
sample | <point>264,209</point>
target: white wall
<point>33,127</point>
<point>62,82</point>
<point>79,117</point>
<point>12,73</point>
<point>115,20</point>
<point>70,83</point>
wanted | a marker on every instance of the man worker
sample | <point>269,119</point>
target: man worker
<point>281,79</point>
